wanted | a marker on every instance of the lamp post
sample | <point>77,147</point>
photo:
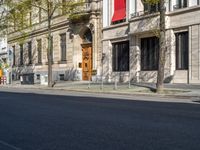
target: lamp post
<point>102,59</point>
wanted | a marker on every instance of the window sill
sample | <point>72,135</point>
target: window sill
<point>183,10</point>
<point>182,69</point>
<point>120,71</point>
<point>116,25</point>
<point>150,70</point>
<point>38,64</point>
<point>62,62</point>
<point>48,63</point>
<point>118,22</point>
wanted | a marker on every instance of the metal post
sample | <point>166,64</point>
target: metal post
<point>89,85</point>
<point>101,83</point>
<point>102,60</point>
<point>129,81</point>
<point>115,85</point>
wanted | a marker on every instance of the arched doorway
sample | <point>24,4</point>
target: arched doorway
<point>87,55</point>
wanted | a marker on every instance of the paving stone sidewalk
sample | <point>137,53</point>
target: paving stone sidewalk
<point>146,89</point>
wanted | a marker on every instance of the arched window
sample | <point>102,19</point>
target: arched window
<point>87,37</point>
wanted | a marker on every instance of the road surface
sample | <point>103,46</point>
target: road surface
<point>57,122</point>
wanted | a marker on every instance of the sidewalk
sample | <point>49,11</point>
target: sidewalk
<point>186,91</point>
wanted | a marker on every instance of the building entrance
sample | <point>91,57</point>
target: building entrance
<point>86,61</point>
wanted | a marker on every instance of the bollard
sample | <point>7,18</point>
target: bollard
<point>101,83</point>
<point>89,82</point>
<point>5,80</point>
<point>115,85</point>
<point>129,82</point>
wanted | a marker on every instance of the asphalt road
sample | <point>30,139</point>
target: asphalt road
<point>47,122</point>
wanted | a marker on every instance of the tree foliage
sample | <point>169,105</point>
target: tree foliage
<point>15,13</point>
<point>17,17</point>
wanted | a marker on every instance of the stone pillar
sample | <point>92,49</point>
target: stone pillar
<point>134,58</point>
<point>107,62</point>
<point>194,54</point>
<point>170,64</point>
<point>93,28</point>
<point>96,26</point>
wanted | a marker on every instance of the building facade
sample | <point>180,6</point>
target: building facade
<point>3,50</point>
<point>76,44</point>
<point>131,43</point>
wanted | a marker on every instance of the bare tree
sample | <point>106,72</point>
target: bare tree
<point>162,52</point>
<point>160,33</point>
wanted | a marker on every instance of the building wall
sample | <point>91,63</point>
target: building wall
<point>3,49</point>
<point>187,20</point>
<point>194,55</point>
<point>139,25</point>
<point>74,32</point>
<point>3,45</point>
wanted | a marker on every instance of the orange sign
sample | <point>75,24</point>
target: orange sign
<point>1,73</point>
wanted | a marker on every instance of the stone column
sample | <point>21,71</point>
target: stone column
<point>134,58</point>
<point>107,62</point>
<point>194,54</point>
<point>96,26</point>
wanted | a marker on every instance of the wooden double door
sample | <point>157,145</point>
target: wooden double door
<point>86,61</point>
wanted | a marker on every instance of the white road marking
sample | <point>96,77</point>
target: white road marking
<point>9,145</point>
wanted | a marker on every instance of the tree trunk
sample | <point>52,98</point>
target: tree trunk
<point>162,44</point>
<point>49,54</point>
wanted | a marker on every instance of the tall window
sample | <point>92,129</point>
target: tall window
<point>40,12</point>
<point>151,8</point>
<point>30,18</point>
<point>21,54</point>
<point>63,6</point>
<point>182,50</point>
<point>87,37</point>
<point>13,55</point>
<point>40,15</point>
<point>181,4</point>
<point>39,51</point>
<point>120,58</point>
<point>63,46</point>
<point>30,52</point>
<point>149,53</point>
<point>119,11</point>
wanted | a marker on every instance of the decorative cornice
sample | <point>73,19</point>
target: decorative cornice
<point>38,31</point>
<point>183,10</point>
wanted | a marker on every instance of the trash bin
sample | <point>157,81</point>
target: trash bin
<point>27,78</point>
<point>44,80</point>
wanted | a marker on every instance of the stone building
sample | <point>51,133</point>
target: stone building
<point>76,44</point>
<point>3,38</point>
<point>3,50</point>
<point>130,43</point>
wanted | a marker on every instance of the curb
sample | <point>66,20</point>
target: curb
<point>114,93</point>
